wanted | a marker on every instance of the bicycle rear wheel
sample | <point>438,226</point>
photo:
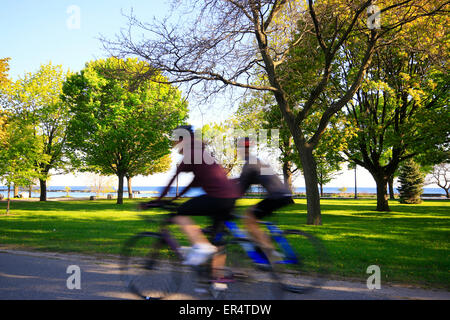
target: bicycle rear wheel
<point>303,263</point>
<point>150,268</point>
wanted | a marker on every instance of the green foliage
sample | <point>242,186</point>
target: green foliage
<point>118,125</point>
<point>220,141</point>
<point>35,100</point>
<point>400,111</point>
<point>4,68</point>
<point>411,181</point>
<point>19,152</point>
<point>261,112</point>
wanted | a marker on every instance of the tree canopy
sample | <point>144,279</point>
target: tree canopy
<point>400,111</point>
<point>35,99</point>
<point>120,127</point>
<point>233,43</point>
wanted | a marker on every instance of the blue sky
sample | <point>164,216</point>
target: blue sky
<point>35,32</point>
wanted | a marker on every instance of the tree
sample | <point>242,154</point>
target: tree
<point>220,141</point>
<point>4,68</point>
<point>19,152</point>
<point>35,99</point>
<point>154,166</point>
<point>400,111</point>
<point>234,43</point>
<point>411,181</point>
<point>18,145</point>
<point>441,176</point>
<point>118,125</point>
<point>262,112</point>
<point>4,82</point>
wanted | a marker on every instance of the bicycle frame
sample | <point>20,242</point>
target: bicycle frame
<point>277,236</point>
<point>250,249</point>
<point>257,257</point>
<point>246,245</point>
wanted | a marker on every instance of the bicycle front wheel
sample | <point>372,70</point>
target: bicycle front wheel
<point>149,267</point>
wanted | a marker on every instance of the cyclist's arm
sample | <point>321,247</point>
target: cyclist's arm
<point>185,190</point>
<point>166,189</point>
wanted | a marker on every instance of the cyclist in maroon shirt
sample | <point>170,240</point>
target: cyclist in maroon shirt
<point>217,203</point>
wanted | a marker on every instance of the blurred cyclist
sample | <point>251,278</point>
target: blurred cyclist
<point>218,202</point>
<point>278,195</point>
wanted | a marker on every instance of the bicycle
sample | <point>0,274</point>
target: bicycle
<point>161,274</point>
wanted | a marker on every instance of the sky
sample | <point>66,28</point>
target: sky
<point>66,32</point>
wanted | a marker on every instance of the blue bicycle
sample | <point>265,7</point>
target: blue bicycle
<point>152,264</point>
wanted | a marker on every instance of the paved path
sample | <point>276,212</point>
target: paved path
<point>35,275</point>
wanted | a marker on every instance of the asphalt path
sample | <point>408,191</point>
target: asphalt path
<point>44,276</point>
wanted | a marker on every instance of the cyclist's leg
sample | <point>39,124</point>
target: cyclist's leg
<point>217,208</point>
<point>263,209</point>
<point>201,248</point>
<point>219,259</point>
<point>192,207</point>
<point>223,211</point>
<point>191,230</point>
<point>252,215</point>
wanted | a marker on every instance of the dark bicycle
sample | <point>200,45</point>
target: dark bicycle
<point>152,264</point>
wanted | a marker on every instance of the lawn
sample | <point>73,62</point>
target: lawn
<point>410,244</point>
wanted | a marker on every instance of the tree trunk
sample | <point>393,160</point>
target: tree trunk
<point>391,188</point>
<point>382,199</point>
<point>120,189</point>
<point>130,190</point>
<point>9,200</point>
<point>356,187</point>
<point>287,174</point>
<point>16,191</point>
<point>314,216</point>
<point>43,185</point>
<point>321,190</point>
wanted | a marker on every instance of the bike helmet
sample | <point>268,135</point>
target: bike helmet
<point>182,131</point>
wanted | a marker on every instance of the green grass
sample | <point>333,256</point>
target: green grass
<point>410,244</point>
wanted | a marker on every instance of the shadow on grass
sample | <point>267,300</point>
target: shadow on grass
<point>73,205</point>
<point>410,243</point>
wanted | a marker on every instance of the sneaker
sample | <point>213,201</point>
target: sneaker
<point>184,251</point>
<point>199,254</point>
<point>219,286</point>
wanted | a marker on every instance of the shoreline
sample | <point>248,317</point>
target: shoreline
<point>258,196</point>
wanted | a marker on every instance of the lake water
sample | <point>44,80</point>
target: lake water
<point>145,192</point>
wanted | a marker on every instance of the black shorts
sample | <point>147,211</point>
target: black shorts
<point>219,209</point>
<point>269,205</point>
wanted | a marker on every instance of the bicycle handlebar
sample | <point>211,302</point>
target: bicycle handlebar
<point>168,204</point>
